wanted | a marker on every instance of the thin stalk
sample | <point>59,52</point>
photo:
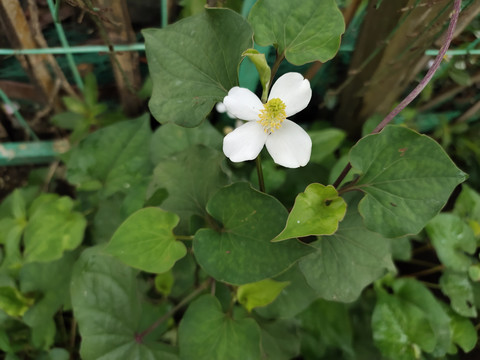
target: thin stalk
<point>73,335</point>
<point>19,116</point>
<point>63,40</point>
<point>432,270</point>
<point>415,92</point>
<point>276,65</point>
<point>183,237</point>
<point>169,314</point>
<point>164,14</point>
<point>81,49</point>
<point>261,182</point>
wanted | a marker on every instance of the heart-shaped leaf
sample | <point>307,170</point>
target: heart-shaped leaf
<point>260,293</point>
<point>317,211</point>
<point>453,240</point>
<point>53,227</point>
<point>170,139</point>
<point>112,159</point>
<point>190,177</point>
<point>409,321</point>
<point>347,261</point>
<point>194,63</point>
<point>107,305</point>
<point>241,251</point>
<point>206,333</point>
<point>304,31</point>
<point>407,178</point>
<point>146,241</point>
<point>458,288</point>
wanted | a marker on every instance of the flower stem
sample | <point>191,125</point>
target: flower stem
<point>418,89</point>
<point>169,314</point>
<point>261,182</point>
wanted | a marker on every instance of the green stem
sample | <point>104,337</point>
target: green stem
<point>63,40</point>
<point>169,314</point>
<point>183,237</point>
<point>261,182</point>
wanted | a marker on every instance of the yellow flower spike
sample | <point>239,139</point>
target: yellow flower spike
<point>272,115</point>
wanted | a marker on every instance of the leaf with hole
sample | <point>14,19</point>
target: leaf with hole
<point>347,261</point>
<point>317,211</point>
<point>240,250</point>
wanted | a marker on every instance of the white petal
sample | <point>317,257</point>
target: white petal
<point>243,103</point>
<point>245,142</point>
<point>290,146</point>
<point>293,90</point>
<point>220,107</point>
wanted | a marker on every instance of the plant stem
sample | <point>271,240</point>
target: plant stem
<point>261,182</point>
<point>183,237</point>
<point>73,335</point>
<point>275,66</point>
<point>169,314</point>
<point>415,92</point>
<point>432,270</point>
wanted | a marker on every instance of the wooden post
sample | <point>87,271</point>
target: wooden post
<point>15,26</point>
<point>375,87</point>
<point>118,30</point>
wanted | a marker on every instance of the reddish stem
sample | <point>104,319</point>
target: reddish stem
<point>418,89</point>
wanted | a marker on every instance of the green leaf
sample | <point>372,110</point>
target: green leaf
<point>463,331</point>
<point>453,239</point>
<point>317,211</point>
<point>194,63</point>
<point>260,293</point>
<point>467,206</point>
<point>260,62</point>
<point>295,298</point>
<point>304,31</point>
<point>346,262</point>
<point>458,288</point>
<point>146,241</point>
<point>474,272</point>
<point>188,195</point>
<point>407,178</point>
<point>170,139</point>
<point>112,159</point>
<point>13,302</point>
<point>164,283</point>
<point>325,142</point>
<point>280,340</point>
<point>326,324</point>
<point>53,227</point>
<point>52,283</point>
<point>401,249</point>
<point>76,106</point>
<point>206,333</point>
<point>241,251</point>
<point>410,321</point>
<point>106,304</point>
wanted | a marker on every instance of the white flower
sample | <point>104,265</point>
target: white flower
<point>267,124</point>
<point>221,108</point>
